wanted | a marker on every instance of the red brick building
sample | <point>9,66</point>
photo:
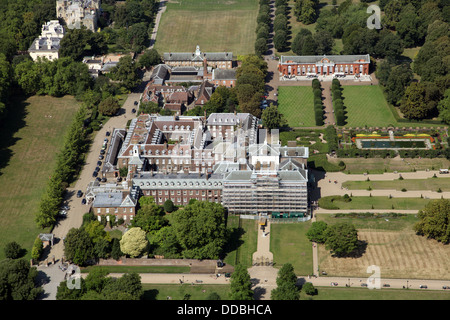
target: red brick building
<point>324,65</point>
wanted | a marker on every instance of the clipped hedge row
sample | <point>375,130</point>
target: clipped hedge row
<point>318,104</point>
<point>338,104</point>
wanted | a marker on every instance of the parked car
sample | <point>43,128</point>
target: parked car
<point>423,286</point>
<point>65,208</point>
<point>97,169</point>
<point>79,194</point>
<point>106,140</point>
<point>99,163</point>
<point>100,157</point>
<point>94,174</point>
<point>135,103</point>
<point>103,179</point>
<point>83,201</point>
<point>108,133</point>
<point>227,274</point>
<point>133,110</point>
<point>102,152</point>
<point>363,284</point>
<point>63,213</point>
<point>445,287</point>
<point>386,285</point>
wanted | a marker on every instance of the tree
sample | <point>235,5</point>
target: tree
<point>17,280</point>
<point>309,289</point>
<point>280,40</point>
<point>261,46</point>
<point>324,42</point>
<point>444,107</point>
<point>169,206</point>
<point>413,105</point>
<point>127,287</point>
<point>297,43</point>
<point>78,246</point>
<point>316,233</point>
<point>74,42</point>
<point>286,284</point>
<point>37,249</point>
<point>399,79</point>
<point>125,72</point>
<point>434,221</point>
<point>200,229</point>
<point>109,107</point>
<point>150,216</point>
<point>149,59</point>
<point>240,284</point>
<point>134,242</point>
<point>410,27</point>
<point>306,11</point>
<point>341,238</point>
<point>272,118</point>
<point>13,250</point>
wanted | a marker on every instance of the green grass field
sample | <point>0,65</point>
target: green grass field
<point>432,184</point>
<point>32,134</point>
<point>214,25</point>
<point>289,244</point>
<point>245,234</point>
<point>366,106</point>
<point>297,105</point>
<point>380,165</point>
<point>365,203</point>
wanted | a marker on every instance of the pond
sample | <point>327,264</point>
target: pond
<point>396,144</point>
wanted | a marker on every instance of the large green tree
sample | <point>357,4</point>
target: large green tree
<point>341,238</point>
<point>17,280</point>
<point>286,284</point>
<point>434,220</point>
<point>413,105</point>
<point>78,246</point>
<point>200,229</point>
<point>272,118</point>
<point>240,284</point>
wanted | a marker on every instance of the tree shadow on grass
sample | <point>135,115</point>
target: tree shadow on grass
<point>357,253</point>
<point>9,125</point>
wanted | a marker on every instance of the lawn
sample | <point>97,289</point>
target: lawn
<point>32,134</point>
<point>364,203</point>
<point>289,244</point>
<point>380,165</point>
<point>432,184</point>
<point>297,105</point>
<point>397,250</point>
<point>367,106</point>
<point>325,293</point>
<point>214,25</point>
<point>244,244</point>
<point>179,292</point>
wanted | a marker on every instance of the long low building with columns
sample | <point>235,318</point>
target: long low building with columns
<point>324,65</point>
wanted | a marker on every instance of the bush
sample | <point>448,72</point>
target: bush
<point>169,206</point>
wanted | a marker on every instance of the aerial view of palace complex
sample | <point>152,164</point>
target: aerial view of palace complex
<point>225,150</point>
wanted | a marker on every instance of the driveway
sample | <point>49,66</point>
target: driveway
<point>77,210</point>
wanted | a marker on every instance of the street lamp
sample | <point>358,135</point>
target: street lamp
<point>407,281</point>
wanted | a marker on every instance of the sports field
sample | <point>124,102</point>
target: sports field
<point>297,105</point>
<point>366,106</point>
<point>32,134</point>
<point>214,25</point>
